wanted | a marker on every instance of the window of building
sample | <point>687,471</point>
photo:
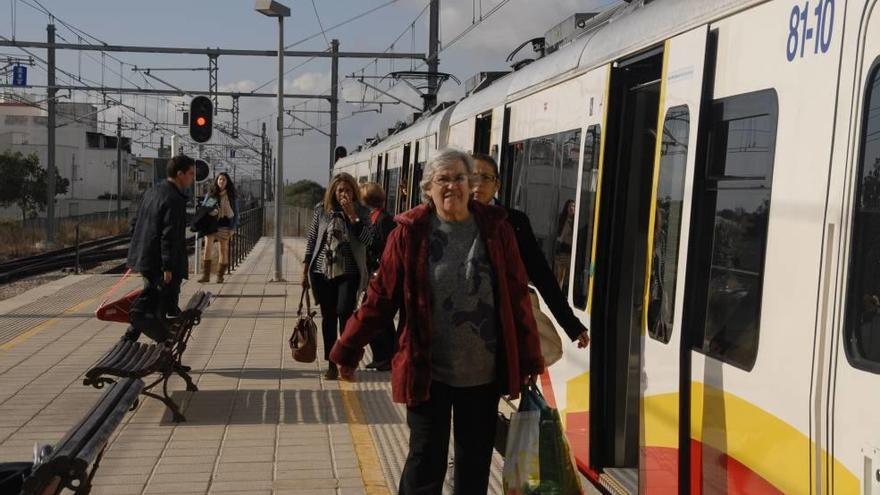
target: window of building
<point>667,223</point>
<point>733,191</point>
<point>543,182</point>
<point>584,249</point>
<point>862,321</point>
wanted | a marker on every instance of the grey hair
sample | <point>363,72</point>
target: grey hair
<point>444,158</point>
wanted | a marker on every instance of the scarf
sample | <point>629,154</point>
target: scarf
<point>225,208</point>
<point>336,237</point>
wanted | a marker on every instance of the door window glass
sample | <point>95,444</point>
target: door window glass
<point>667,223</point>
<point>734,213</point>
<point>862,330</point>
<point>586,211</point>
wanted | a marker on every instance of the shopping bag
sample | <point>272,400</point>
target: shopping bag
<point>551,344</point>
<point>538,460</point>
<point>304,340</point>
<point>118,310</point>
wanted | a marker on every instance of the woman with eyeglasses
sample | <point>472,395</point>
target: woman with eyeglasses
<point>467,334</point>
<point>486,186</point>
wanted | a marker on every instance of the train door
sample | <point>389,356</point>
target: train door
<point>620,272</point>
<point>404,187</point>
<point>853,373</point>
<point>483,132</point>
<point>418,163</point>
<point>675,154</point>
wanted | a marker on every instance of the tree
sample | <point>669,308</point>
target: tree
<point>24,182</point>
<point>303,193</point>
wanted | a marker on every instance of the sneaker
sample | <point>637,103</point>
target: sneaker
<point>383,365</point>
<point>332,373</point>
<point>371,366</point>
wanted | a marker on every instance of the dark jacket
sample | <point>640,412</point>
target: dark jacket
<point>402,282</point>
<point>383,224</point>
<point>214,202</point>
<point>541,276</point>
<point>158,234</point>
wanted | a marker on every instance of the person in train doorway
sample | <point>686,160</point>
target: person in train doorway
<point>373,197</point>
<point>223,198</point>
<point>564,236</point>
<point>468,334</point>
<point>335,260</point>
<point>487,185</point>
<point>158,251</point>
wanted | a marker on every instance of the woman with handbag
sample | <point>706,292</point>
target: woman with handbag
<point>467,334</point>
<point>223,200</point>
<point>335,260</point>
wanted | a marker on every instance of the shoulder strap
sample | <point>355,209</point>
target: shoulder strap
<point>305,295</point>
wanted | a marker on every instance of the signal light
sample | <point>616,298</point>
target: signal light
<point>201,119</point>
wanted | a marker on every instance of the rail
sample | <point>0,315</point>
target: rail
<point>248,232</point>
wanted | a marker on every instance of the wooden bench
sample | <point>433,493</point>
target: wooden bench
<point>129,359</point>
<point>72,462</point>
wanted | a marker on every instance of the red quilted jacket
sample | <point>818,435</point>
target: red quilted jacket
<point>402,283</point>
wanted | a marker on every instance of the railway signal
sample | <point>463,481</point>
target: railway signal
<point>201,122</point>
<point>203,170</point>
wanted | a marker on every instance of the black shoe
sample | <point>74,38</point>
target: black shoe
<point>383,365</point>
<point>372,365</point>
<point>332,372</point>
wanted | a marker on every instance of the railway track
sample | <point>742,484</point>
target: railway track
<point>90,254</point>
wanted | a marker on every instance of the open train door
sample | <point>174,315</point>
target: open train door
<point>681,91</point>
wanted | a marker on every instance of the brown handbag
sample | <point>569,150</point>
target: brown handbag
<point>304,341</point>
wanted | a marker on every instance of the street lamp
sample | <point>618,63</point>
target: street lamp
<point>271,8</point>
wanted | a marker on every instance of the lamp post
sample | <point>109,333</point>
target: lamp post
<point>271,8</point>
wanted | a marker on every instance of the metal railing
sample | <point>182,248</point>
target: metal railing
<point>248,232</point>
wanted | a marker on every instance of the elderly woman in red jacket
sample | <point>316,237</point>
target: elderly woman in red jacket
<point>468,335</point>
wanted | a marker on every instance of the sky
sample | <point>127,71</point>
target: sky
<point>235,24</point>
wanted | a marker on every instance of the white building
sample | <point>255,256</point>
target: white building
<point>83,156</point>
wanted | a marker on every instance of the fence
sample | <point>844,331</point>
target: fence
<point>295,221</point>
<point>248,232</point>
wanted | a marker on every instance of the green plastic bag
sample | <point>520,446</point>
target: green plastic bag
<point>537,460</point>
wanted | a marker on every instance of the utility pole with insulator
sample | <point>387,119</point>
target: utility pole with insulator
<point>118,167</point>
<point>50,136</point>
<point>433,53</point>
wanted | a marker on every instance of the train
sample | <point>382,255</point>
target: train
<point>723,157</point>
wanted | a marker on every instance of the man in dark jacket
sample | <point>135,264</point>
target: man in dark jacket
<point>158,250</point>
<point>488,183</point>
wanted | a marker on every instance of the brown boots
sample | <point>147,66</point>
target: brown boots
<point>206,272</point>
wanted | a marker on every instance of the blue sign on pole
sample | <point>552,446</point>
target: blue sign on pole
<point>19,75</point>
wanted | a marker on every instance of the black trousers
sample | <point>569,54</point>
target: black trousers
<point>383,344</point>
<point>149,310</point>
<point>337,299</point>
<point>475,411</point>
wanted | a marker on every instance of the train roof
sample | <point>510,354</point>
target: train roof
<point>608,36</point>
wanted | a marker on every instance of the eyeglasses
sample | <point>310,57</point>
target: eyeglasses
<point>485,178</point>
<point>445,180</point>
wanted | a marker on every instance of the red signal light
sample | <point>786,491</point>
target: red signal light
<point>201,121</point>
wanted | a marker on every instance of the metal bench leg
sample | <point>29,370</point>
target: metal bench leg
<point>190,385</point>
<point>177,416</point>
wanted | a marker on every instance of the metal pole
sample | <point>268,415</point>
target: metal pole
<point>50,141</point>
<point>279,181</point>
<point>118,167</point>
<point>334,99</point>
<point>433,52</point>
<point>263,167</point>
<point>76,262</point>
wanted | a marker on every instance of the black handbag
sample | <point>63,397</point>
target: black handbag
<point>203,222</point>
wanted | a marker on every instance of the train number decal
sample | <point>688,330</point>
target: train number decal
<point>803,28</point>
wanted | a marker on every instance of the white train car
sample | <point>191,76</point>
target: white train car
<point>723,157</point>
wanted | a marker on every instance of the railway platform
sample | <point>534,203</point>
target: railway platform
<point>260,422</point>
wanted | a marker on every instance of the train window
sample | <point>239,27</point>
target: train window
<point>583,251</point>
<point>862,321</point>
<point>667,223</point>
<point>391,190</point>
<point>734,211</point>
<point>543,186</point>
